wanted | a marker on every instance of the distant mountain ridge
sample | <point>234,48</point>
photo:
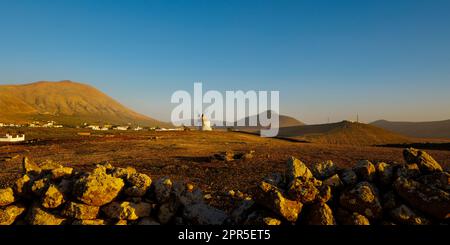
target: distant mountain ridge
<point>433,129</point>
<point>283,121</point>
<point>65,102</point>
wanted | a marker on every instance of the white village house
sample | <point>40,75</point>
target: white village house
<point>121,128</point>
<point>10,138</point>
<point>93,127</point>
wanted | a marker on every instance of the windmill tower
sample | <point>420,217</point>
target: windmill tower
<point>206,124</point>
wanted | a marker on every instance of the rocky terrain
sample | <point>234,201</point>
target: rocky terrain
<point>416,192</point>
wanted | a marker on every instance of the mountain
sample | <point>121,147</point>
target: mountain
<point>284,121</point>
<point>435,129</point>
<point>344,132</point>
<point>65,102</point>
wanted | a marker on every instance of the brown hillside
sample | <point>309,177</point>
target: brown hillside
<point>435,129</point>
<point>343,133</point>
<point>66,102</point>
<point>284,121</point>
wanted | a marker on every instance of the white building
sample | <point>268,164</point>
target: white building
<point>94,127</point>
<point>168,129</point>
<point>206,124</point>
<point>121,128</point>
<point>49,124</point>
<point>10,138</point>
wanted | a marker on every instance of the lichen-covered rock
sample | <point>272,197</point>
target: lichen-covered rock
<point>52,197</point>
<point>407,171</point>
<point>139,184</point>
<point>345,217</point>
<point>62,172</point>
<point>247,155</point>
<point>38,216</point>
<point>363,199</point>
<point>227,156</point>
<point>439,180</point>
<point>240,213</point>
<point>385,173</point>
<point>323,170</point>
<point>89,222</point>
<point>22,186</point>
<point>29,167</point>
<point>428,199</point>
<point>302,190</point>
<point>390,200</point>
<point>163,189</point>
<point>120,222</point>
<point>276,179</point>
<point>39,186</point>
<point>80,211</point>
<point>107,165</point>
<point>320,214</point>
<point>97,188</point>
<point>324,194</point>
<point>9,214</point>
<point>122,173</point>
<point>186,194</point>
<point>49,165</point>
<point>167,212</point>
<point>127,210</point>
<point>333,181</point>
<point>296,168</point>
<point>6,196</point>
<point>257,217</point>
<point>244,155</point>
<point>404,215</point>
<point>271,221</point>
<point>66,186</point>
<point>272,198</point>
<point>425,162</point>
<point>348,177</point>
<point>203,214</point>
<point>365,170</point>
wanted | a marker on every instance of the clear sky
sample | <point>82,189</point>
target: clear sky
<point>381,59</point>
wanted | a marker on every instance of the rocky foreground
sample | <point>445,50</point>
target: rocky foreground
<point>415,193</point>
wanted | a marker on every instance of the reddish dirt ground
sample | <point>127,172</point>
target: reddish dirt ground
<point>185,155</point>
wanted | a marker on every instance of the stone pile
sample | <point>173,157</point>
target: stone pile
<point>416,192</point>
<point>51,194</point>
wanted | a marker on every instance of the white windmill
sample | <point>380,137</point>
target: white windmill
<point>206,124</point>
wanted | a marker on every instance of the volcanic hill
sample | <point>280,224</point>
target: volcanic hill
<point>345,132</point>
<point>65,102</point>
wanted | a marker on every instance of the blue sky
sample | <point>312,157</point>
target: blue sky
<point>381,59</point>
